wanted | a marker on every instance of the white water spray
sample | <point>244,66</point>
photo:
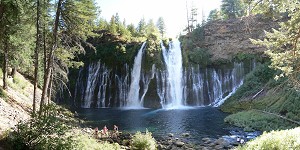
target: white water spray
<point>133,95</point>
<point>173,61</point>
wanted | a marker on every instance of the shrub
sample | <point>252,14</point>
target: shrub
<point>48,131</point>
<point>3,93</point>
<point>54,130</point>
<point>275,140</point>
<point>199,56</point>
<point>143,141</point>
<point>19,82</point>
<point>257,120</point>
<point>84,142</point>
<point>1,73</point>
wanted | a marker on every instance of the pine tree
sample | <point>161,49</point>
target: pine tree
<point>161,26</point>
<point>232,8</point>
<point>73,23</point>
<point>214,15</point>
<point>283,44</point>
<point>103,24</point>
<point>142,28</point>
<point>113,25</point>
<point>12,25</point>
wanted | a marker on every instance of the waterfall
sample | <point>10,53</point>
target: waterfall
<point>197,85</point>
<point>236,78</point>
<point>79,87</point>
<point>173,62</point>
<point>122,83</point>
<point>161,86</point>
<point>133,95</point>
<point>99,86</point>
<point>146,80</point>
<point>103,81</point>
<point>93,71</point>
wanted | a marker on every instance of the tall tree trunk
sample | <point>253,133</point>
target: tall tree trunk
<point>187,17</point>
<point>13,72</point>
<point>36,57</point>
<point>48,71</point>
<point>5,62</point>
<point>50,88</point>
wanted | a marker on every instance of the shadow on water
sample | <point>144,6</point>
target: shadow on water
<point>198,121</point>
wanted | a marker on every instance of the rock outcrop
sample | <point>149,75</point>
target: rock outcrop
<point>225,38</point>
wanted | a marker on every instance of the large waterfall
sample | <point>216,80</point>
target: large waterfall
<point>170,86</point>
<point>173,62</point>
<point>133,99</point>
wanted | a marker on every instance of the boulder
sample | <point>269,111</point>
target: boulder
<point>170,134</point>
<point>161,147</point>
<point>217,147</point>
<point>178,143</point>
<point>185,134</point>
<point>222,142</point>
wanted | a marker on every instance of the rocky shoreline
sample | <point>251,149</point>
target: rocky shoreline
<point>171,142</point>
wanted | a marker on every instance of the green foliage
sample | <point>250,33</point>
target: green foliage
<point>193,49</point>
<point>3,93</point>
<point>214,14</point>
<point>1,73</point>
<point>253,83</point>
<point>54,130</point>
<point>48,131</point>
<point>282,44</point>
<point>232,8</point>
<point>243,56</point>
<point>255,120</point>
<point>199,56</point>
<point>281,101</point>
<point>19,82</point>
<point>161,26</point>
<point>275,140</point>
<point>273,96</point>
<point>142,28</point>
<point>269,9</point>
<point>85,142</point>
<point>143,141</point>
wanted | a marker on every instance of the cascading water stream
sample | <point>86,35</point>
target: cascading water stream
<point>146,80</point>
<point>93,72</point>
<point>133,100</point>
<point>173,62</point>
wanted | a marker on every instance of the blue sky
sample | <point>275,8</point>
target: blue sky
<point>173,11</point>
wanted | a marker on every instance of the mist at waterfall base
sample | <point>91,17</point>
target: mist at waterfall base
<point>200,122</point>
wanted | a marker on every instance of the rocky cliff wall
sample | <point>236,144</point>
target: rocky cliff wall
<point>225,38</point>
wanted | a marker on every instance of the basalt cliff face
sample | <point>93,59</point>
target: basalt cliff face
<point>226,38</point>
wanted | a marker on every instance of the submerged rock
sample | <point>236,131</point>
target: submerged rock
<point>178,143</point>
<point>185,134</point>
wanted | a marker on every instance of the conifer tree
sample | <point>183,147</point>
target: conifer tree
<point>161,26</point>
<point>142,28</point>
<point>232,8</point>
<point>283,44</point>
<point>11,25</point>
<point>73,23</point>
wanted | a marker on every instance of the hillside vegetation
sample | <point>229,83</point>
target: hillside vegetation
<point>262,103</point>
<point>15,102</point>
